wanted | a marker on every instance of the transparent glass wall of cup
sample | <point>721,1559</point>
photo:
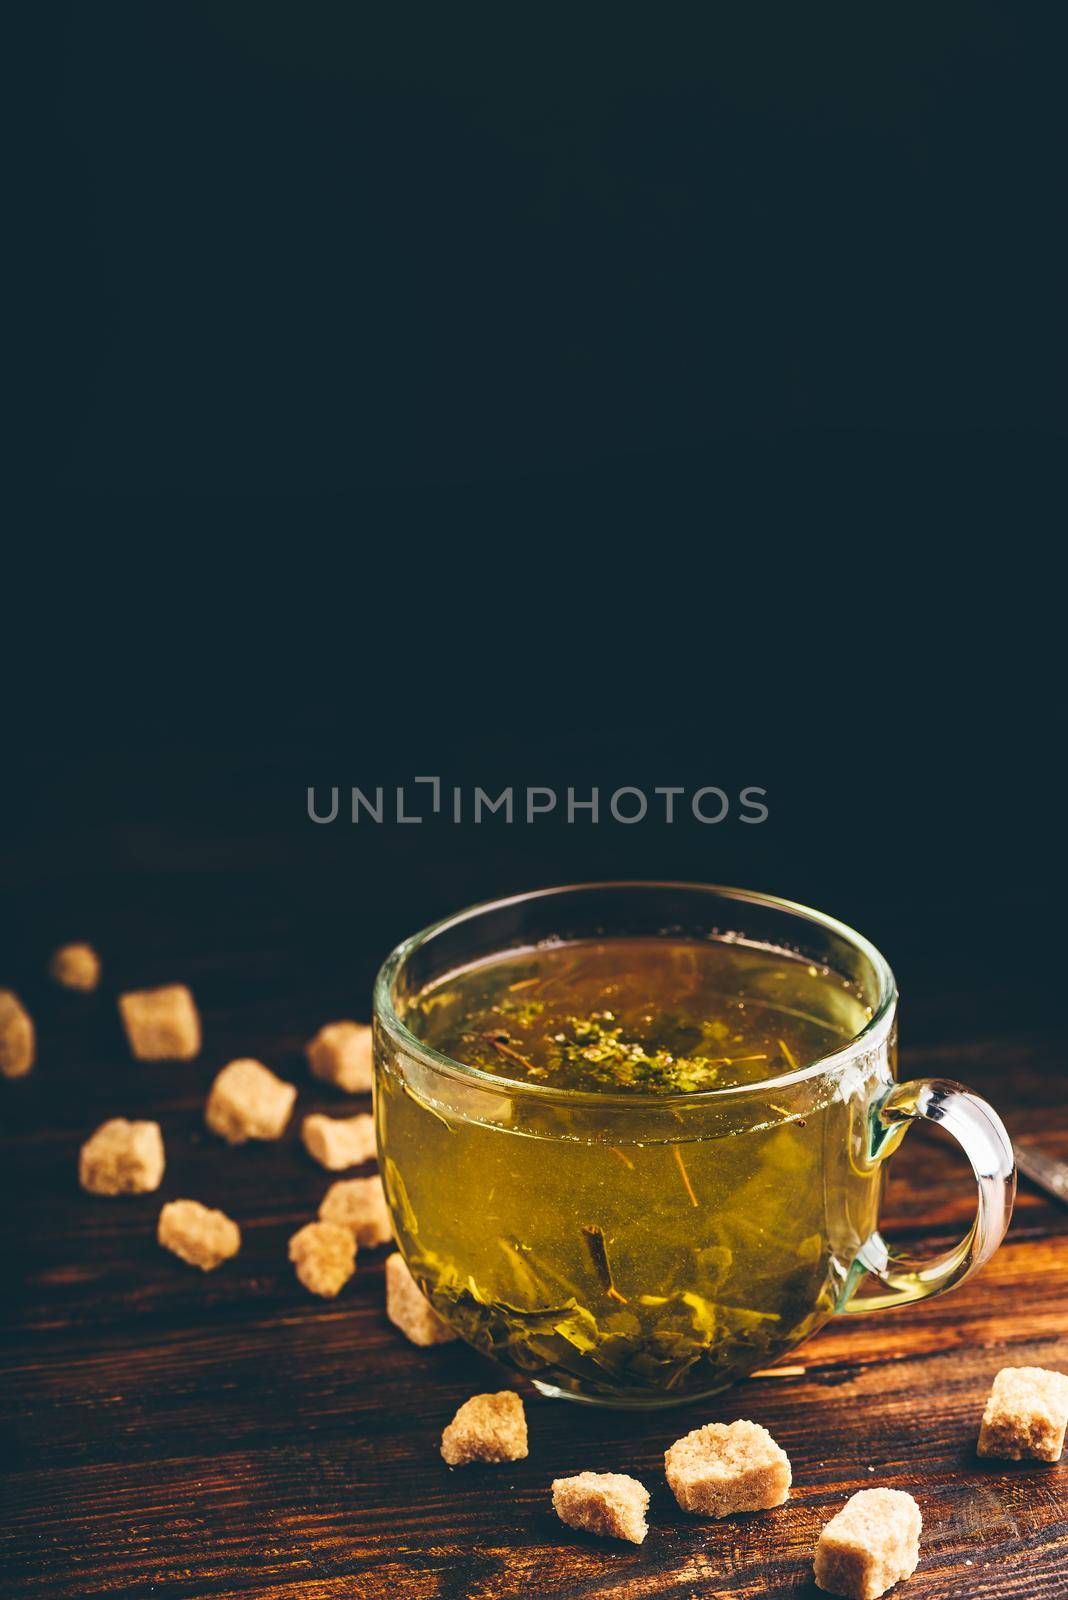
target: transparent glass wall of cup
<point>737,1220</point>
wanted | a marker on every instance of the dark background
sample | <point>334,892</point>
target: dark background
<point>611,398</point>
<point>296,249</point>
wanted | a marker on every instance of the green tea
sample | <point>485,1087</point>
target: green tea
<point>586,1211</point>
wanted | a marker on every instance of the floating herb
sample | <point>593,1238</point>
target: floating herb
<point>499,1041</point>
<point>523,1012</point>
<point>445,1123</point>
<point>599,1256</point>
<point>680,1163</point>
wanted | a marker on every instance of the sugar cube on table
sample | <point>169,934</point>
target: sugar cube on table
<point>488,1427</point>
<point>1026,1415</point>
<point>359,1204</point>
<point>339,1142</point>
<point>122,1157</point>
<point>75,966</point>
<point>872,1543</point>
<point>408,1308</point>
<point>247,1101</point>
<point>608,1503</point>
<point>727,1467</point>
<point>324,1256</point>
<point>17,1037</point>
<point>340,1054</point>
<point>161,1024</point>
<point>198,1234</point>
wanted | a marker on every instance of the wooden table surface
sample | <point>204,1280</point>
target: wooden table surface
<point>183,1436</point>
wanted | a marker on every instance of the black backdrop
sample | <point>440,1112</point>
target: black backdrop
<point>670,399</point>
<point>306,248</point>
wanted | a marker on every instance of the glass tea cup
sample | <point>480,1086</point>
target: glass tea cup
<point>737,1220</point>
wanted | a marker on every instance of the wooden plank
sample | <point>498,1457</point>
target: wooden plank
<point>175,1466</point>
<point>182,1437</point>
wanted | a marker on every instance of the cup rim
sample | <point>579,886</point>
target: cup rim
<point>385,1012</point>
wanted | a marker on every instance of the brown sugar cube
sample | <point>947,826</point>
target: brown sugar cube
<point>75,966</point>
<point>340,1054</point>
<point>201,1236</point>
<point>871,1544</point>
<point>488,1427</point>
<point>247,1101</point>
<point>1026,1415</point>
<point>339,1142</point>
<point>727,1467</point>
<point>608,1503</point>
<point>359,1204</point>
<point>325,1257</point>
<point>17,1037</point>
<point>161,1024</point>
<point>122,1158</point>
<point>408,1308</point>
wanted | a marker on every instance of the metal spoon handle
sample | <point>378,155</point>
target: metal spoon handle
<point>1050,1175</point>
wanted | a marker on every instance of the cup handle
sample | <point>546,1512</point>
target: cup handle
<point>981,1134</point>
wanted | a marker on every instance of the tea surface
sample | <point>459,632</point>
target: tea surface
<point>652,1015</point>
